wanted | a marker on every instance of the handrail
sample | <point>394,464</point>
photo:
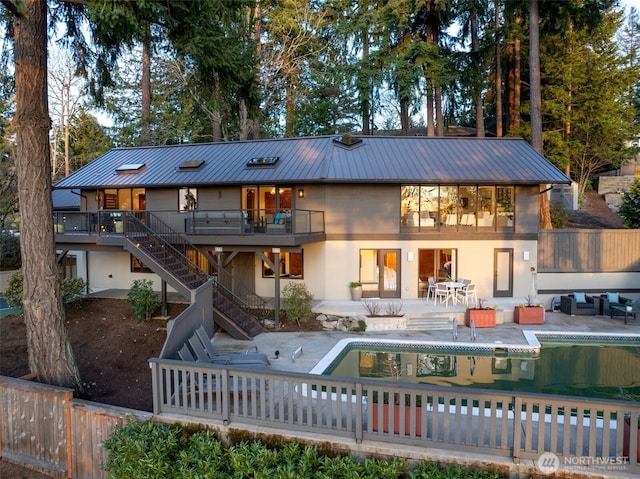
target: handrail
<point>174,244</point>
<point>476,420</point>
<point>240,222</point>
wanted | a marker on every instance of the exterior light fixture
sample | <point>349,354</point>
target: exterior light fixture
<point>300,193</point>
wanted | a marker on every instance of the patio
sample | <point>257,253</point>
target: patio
<point>316,345</point>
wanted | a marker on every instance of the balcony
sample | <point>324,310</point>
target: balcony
<point>222,227</point>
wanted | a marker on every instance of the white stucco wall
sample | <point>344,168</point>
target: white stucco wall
<point>113,271</point>
<point>330,266</point>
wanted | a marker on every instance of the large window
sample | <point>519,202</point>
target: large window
<point>188,199</point>
<point>290,265</point>
<point>459,207</point>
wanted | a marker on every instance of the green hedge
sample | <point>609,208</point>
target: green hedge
<point>147,450</point>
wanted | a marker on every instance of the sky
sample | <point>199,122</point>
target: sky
<point>632,3</point>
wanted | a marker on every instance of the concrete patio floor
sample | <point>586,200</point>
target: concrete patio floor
<point>315,345</point>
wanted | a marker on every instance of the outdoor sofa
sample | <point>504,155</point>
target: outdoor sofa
<point>580,304</point>
<point>608,300</point>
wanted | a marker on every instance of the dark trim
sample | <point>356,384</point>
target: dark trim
<point>589,291</point>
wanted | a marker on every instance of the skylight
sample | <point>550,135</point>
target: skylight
<point>129,167</point>
<point>190,164</point>
<point>347,141</point>
<point>263,161</point>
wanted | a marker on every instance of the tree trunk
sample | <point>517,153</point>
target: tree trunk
<point>430,117</point>
<point>498,73</point>
<point>50,355</point>
<point>365,92</point>
<point>475,48</point>
<point>244,122</point>
<point>513,107</point>
<point>536,102</point>
<point>146,86</point>
<point>404,117</point>
<point>438,107</point>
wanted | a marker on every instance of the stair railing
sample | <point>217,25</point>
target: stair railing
<point>145,225</point>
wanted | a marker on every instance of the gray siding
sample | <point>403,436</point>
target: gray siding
<point>589,251</point>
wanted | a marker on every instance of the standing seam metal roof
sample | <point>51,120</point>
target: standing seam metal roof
<point>447,160</point>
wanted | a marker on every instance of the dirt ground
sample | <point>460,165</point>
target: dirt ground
<point>594,214</point>
<point>112,348</point>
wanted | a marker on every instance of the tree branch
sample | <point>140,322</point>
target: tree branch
<point>12,7</point>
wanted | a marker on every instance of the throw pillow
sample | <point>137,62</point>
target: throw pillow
<point>613,297</point>
<point>580,297</point>
<point>276,221</point>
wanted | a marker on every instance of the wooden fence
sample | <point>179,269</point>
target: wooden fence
<point>44,427</point>
<point>588,251</point>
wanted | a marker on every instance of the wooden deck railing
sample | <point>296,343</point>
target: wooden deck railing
<point>493,422</point>
<point>43,426</point>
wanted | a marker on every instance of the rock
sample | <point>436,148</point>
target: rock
<point>329,324</point>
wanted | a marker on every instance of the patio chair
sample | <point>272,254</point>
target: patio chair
<point>442,291</point>
<point>580,304</point>
<point>468,291</point>
<point>206,352</point>
<point>431,289</point>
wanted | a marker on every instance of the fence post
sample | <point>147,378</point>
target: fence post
<point>225,391</point>
<point>359,413</point>
<point>155,384</point>
<point>517,428</point>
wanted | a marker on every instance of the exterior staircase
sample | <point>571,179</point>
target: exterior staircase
<point>171,256</point>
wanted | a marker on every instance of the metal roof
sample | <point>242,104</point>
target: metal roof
<point>442,160</point>
<point>65,199</point>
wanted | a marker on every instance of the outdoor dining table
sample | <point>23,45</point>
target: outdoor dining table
<point>453,287</point>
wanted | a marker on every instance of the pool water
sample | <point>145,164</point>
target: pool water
<point>608,370</point>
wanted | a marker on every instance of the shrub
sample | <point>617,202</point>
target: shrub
<point>72,290</point>
<point>373,308</point>
<point>13,293</point>
<point>143,449</point>
<point>144,301</point>
<point>630,207</point>
<point>297,299</point>
<point>146,449</point>
<point>10,251</point>
<point>559,215</point>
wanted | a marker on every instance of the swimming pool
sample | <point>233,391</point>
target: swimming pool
<point>585,365</point>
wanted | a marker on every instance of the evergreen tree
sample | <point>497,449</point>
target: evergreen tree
<point>88,140</point>
<point>630,207</point>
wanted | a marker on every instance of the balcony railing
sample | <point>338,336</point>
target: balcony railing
<point>245,222</point>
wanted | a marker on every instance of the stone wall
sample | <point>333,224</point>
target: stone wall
<point>611,188</point>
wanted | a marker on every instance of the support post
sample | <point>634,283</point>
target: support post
<point>276,292</point>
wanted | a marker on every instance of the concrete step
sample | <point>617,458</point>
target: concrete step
<point>422,323</point>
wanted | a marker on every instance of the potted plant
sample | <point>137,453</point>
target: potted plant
<point>356,290</point>
<point>482,315</point>
<point>529,312</point>
<point>629,305</point>
<point>395,408</point>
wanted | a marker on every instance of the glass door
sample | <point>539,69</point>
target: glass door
<point>389,281</point>
<point>503,273</point>
<point>380,273</point>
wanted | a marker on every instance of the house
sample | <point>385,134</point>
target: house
<point>386,211</point>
